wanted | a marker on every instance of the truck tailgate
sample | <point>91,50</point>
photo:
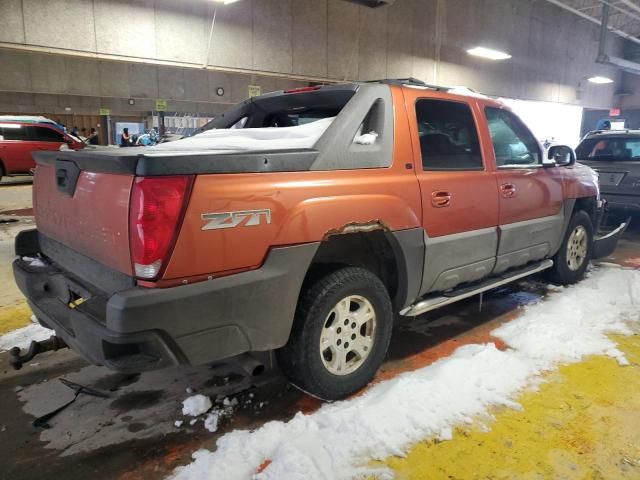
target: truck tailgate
<point>90,217</point>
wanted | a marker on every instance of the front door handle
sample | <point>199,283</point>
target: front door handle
<point>440,199</point>
<point>508,190</point>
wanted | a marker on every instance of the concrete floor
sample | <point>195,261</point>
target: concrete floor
<point>131,435</point>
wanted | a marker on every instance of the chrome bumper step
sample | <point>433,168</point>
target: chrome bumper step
<point>432,302</point>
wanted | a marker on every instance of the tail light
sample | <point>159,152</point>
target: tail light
<point>157,208</point>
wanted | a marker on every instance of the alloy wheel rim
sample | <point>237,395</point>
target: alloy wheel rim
<point>577,248</point>
<point>347,335</point>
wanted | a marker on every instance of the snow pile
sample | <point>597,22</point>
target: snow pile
<point>34,261</point>
<point>339,439</point>
<point>196,405</point>
<point>245,139</point>
<point>22,337</point>
<point>199,404</point>
<point>366,138</point>
<point>211,422</point>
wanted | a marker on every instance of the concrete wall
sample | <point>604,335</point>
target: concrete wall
<point>47,83</point>
<point>315,39</point>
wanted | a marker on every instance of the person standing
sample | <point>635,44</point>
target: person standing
<point>92,139</point>
<point>125,138</point>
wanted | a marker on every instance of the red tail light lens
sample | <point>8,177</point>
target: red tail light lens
<point>157,207</point>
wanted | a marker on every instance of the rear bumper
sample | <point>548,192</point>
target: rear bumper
<point>145,328</point>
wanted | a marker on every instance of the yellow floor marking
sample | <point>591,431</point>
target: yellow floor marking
<point>583,423</point>
<point>14,317</point>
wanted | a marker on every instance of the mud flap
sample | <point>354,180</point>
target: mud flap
<point>604,246</point>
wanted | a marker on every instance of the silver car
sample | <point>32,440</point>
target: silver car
<point>615,155</point>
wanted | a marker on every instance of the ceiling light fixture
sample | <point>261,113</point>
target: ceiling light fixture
<point>488,53</point>
<point>600,80</point>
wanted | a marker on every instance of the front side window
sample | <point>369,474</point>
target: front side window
<point>513,143</point>
<point>43,134</point>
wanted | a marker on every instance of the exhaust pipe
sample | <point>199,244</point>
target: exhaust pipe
<point>250,365</point>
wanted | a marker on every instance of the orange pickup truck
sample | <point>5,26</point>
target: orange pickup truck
<point>412,197</point>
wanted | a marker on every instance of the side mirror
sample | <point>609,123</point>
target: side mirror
<point>561,155</point>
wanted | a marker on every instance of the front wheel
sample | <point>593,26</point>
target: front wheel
<point>572,260</point>
<point>340,334</point>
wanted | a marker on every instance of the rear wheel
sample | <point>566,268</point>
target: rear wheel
<point>340,334</point>
<point>572,260</point>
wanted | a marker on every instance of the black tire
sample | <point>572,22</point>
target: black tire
<point>561,273</point>
<point>1,170</point>
<point>301,358</point>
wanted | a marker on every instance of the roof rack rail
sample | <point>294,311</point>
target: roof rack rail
<point>410,81</point>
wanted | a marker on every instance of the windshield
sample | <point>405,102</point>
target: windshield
<point>619,149</point>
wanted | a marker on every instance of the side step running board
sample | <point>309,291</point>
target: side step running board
<point>436,301</point>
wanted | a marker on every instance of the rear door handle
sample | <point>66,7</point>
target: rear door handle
<point>508,190</point>
<point>440,199</point>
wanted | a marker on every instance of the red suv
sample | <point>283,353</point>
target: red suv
<point>19,139</point>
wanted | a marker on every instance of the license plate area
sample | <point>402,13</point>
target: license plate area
<point>610,179</point>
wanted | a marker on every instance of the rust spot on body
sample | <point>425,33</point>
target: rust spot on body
<point>356,227</point>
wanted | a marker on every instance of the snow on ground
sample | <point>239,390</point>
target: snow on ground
<point>196,405</point>
<point>339,439</point>
<point>22,337</point>
<point>211,422</point>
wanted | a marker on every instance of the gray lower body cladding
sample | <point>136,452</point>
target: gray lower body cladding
<point>149,328</point>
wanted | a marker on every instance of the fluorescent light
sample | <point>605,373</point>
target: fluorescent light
<point>488,53</point>
<point>10,125</point>
<point>226,2</point>
<point>600,80</point>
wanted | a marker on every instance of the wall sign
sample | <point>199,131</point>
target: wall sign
<point>161,105</point>
<point>255,90</point>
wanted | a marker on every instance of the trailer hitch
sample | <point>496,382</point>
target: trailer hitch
<point>50,345</point>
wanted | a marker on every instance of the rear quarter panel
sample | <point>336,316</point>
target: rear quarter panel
<point>305,207</point>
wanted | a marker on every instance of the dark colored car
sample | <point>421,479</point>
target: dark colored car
<point>18,140</point>
<point>615,155</point>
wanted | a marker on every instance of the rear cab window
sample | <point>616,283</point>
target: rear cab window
<point>284,109</point>
<point>448,135</point>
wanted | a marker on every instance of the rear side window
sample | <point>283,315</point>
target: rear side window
<point>448,136</point>
<point>43,134</point>
<point>513,143</point>
<point>17,132</point>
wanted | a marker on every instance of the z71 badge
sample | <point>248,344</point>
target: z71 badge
<point>245,218</point>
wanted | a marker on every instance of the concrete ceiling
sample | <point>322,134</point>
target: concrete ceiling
<point>624,15</point>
